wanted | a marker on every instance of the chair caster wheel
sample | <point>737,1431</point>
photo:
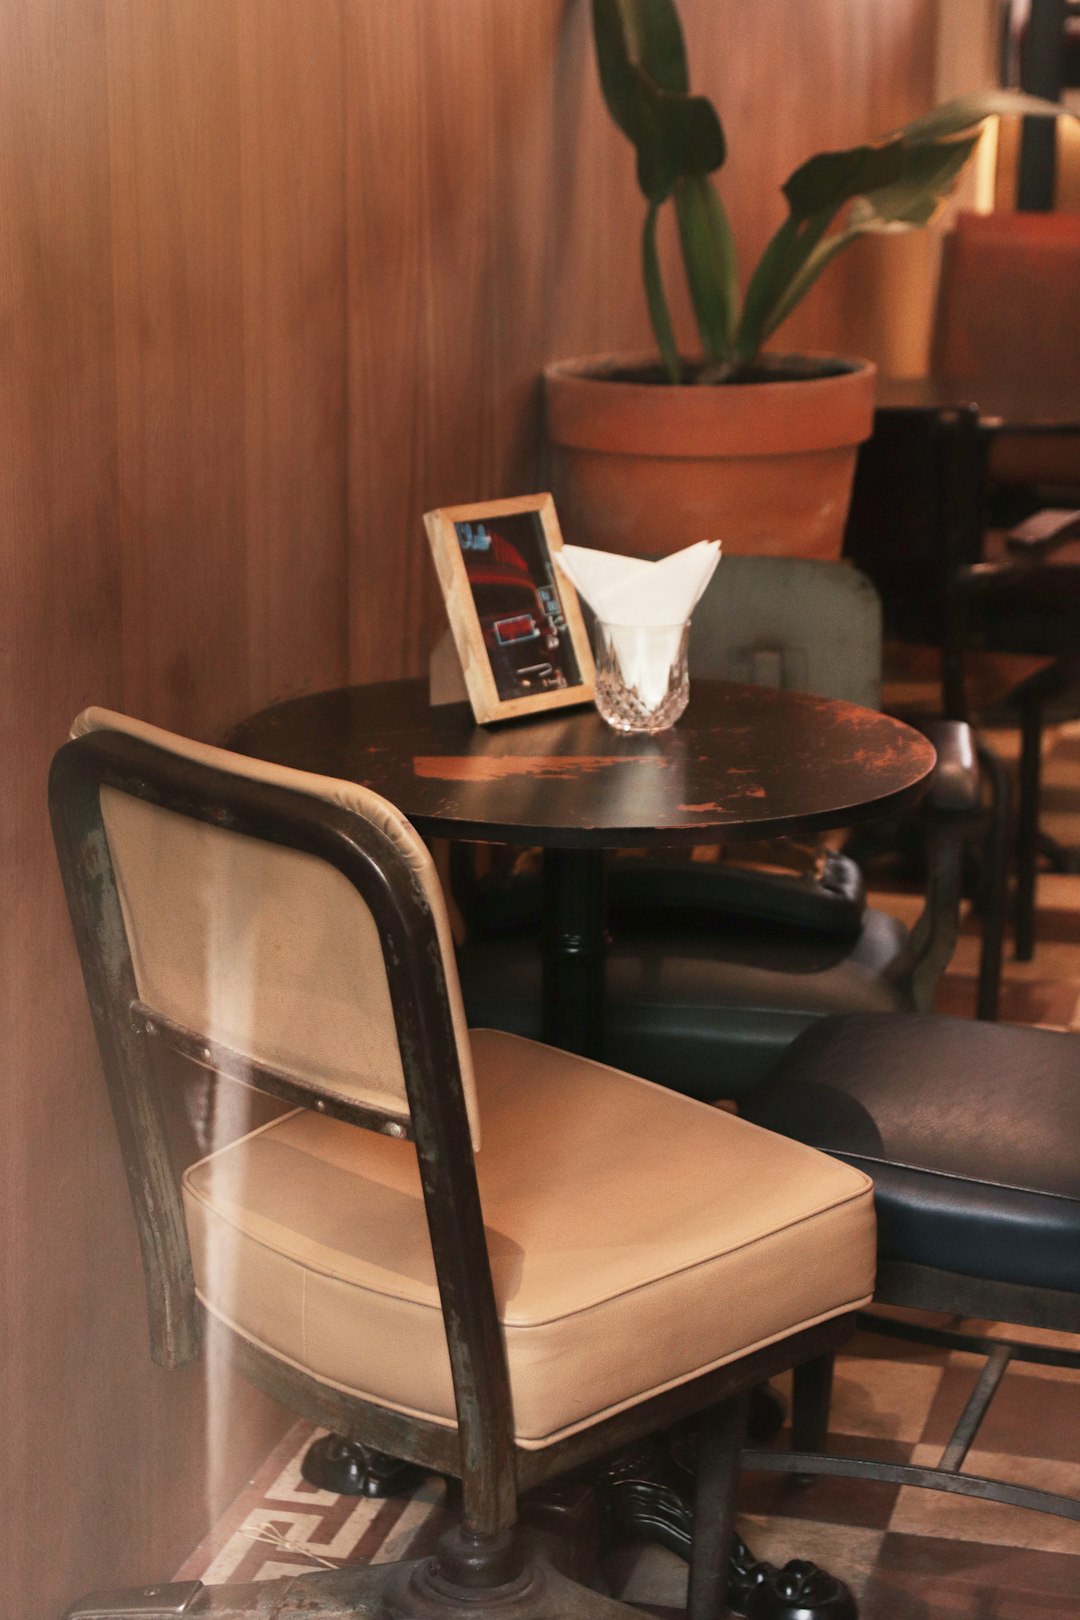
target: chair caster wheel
<point>333,1463</point>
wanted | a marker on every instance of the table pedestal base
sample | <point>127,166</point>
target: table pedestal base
<point>574,947</point>
<point>644,1495</point>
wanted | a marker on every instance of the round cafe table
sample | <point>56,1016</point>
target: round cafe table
<point>744,762</point>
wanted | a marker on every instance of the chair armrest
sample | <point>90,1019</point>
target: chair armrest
<point>830,901</point>
<point>957,788</point>
<point>1040,535</point>
<point>954,810</point>
<point>1032,542</point>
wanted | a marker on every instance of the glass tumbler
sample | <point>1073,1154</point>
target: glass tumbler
<point>641,676</point>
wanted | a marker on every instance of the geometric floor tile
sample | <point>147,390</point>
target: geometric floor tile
<point>886,1399</point>
<point>929,1578</point>
<point>959,1518</point>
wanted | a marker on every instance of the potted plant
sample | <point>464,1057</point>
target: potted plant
<point>756,447</point>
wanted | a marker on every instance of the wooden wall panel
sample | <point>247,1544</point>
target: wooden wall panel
<point>292,153</point>
<point>173,541</point>
<point>59,630</point>
<point>178,274</point>
<point>275,276</point>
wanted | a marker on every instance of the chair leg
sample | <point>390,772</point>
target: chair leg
<point>811,1399</point>
<point>1027,828</point>
<point>720,1441</point>
<point>995,864</point>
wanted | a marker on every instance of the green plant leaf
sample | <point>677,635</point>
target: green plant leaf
<point>655,39</point>
<point>676,134</point>
<point>791,295</point>
<point>954,117</point>
<point>659,314</point>
<point>928,174</point>
<point>783,258</point>
<point>831,179</point>
<point>709,255</point>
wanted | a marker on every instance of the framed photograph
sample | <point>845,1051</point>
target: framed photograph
<point>515,619</point>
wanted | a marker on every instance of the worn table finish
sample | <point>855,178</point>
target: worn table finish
<point>743,763</point>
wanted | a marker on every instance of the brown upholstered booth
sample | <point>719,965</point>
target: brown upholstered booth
<point>463,1247</point>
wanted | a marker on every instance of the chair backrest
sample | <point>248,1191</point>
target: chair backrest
<point>792,623</point>
<point>916,515</point>
<point>264,950</point>
<point>1008,299</point>
<point>211,896</point>
<point>1007,313</point>
<point>233,910</point>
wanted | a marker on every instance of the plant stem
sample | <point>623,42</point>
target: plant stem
<point>659,313</point>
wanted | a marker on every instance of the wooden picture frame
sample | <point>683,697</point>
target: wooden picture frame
<point>515,618</point>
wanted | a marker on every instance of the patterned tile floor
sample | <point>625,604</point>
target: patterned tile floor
<point>908,1554</point>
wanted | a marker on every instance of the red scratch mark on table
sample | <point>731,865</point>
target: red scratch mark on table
<point>482,768</point>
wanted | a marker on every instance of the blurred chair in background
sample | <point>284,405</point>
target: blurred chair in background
<point>916,529</point>
<point>1007,317</point>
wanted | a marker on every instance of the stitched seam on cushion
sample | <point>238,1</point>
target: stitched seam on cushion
<point>319,1268</point>
<point>249,1136</point>
<point>581,1425</point>
<point>952,1175</point>
<point>322,1270</point>
<point>322,1378</point>
<point>690,1266</point>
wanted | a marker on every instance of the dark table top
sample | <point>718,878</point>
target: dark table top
<point>742,763</point>
<point>1032,408</point>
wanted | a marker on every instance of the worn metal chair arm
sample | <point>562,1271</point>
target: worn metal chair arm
<point>1027,546</point>
<point>1043,533</point>
<point>954,811</point>
<point>957,786</point>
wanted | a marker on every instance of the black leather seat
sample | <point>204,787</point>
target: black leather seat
<point>971,1133</point>
<point>700,994</point>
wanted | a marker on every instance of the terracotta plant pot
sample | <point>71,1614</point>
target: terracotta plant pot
<point>646,467</point>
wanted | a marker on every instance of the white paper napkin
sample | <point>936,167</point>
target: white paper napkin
<point>628,592</point>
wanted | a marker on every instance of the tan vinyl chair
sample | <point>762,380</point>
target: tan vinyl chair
<point>519,1261</point>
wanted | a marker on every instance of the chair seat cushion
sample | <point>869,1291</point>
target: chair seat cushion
<point>636,1239</point>
<point>970,1131</point>
<point>705,1008</point>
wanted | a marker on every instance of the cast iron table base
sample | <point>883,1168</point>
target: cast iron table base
<point>644,1495</point>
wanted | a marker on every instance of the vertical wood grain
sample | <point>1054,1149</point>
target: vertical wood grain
<point>275,277</point>
<point>177,231</point>
<point>292,168</point>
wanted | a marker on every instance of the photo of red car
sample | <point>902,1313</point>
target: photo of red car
<point>518,605</point>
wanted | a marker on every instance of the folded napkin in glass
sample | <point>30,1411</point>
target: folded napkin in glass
<point>643,611</point>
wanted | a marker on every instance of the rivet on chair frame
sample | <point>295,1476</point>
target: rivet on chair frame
<point>320,1105</point>
<point>393,1129</point>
